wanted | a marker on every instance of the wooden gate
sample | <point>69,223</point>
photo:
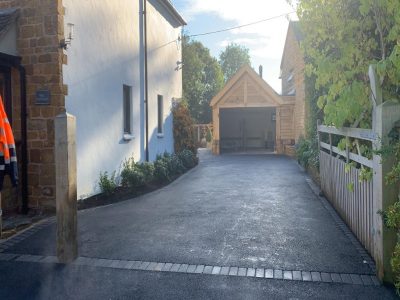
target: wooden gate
<point>351,196</point>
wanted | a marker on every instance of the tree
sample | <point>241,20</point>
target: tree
<point>341,39</point>
<point>233,58</point>
<point>183,129</point>
<point>202,79</point>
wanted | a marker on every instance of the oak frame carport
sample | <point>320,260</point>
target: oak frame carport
<point>246,89</point>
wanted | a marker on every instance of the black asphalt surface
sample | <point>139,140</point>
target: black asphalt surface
<point>232,210</point>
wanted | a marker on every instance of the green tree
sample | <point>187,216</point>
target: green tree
<point>202,79</point>
<point>341,39</point>
<point>233,58</point>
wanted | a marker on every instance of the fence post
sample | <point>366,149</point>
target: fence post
<point>384,117</point>
<point>66,193</point>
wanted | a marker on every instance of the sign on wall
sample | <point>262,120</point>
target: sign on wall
<point>43,97</point>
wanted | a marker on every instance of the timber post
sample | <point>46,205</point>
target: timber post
<point>66,188</point>
<point>384,116</point>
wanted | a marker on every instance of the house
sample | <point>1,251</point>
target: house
<point>249,115</point>
<point>292,75</point>
<point>87,58</point>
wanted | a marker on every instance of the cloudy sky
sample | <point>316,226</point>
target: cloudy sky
<point>265,40</point>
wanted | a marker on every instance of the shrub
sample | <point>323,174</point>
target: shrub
<point>176,166</point>
<point>161,170</point>
<point>307,153</point>
<point>107,184</point>
<point>189,160</point>
<point>183,129</point>
<point>208,136</point>
<point>147,169</point>
<point>132,175</point>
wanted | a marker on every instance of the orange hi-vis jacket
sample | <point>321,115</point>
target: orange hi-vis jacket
<point>8,155</point>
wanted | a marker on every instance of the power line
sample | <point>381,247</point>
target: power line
<point>241,26</point>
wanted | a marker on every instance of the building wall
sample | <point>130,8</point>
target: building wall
<point>106,53</point>
<point>293,65</point>
<point>40,27</point>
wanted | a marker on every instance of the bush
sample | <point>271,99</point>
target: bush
<point>183,129</point>
<point>107,184</point>
<point>176,166</point>
<point>307,153</point>
<point>161,170</point>
<point>189,160</point>
<point>147,169</point>
<point>208,136</point>
<point>131,174</point>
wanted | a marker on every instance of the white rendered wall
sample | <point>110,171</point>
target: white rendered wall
<point>105,54</point>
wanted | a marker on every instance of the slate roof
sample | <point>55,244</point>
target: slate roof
<point>7,18</point>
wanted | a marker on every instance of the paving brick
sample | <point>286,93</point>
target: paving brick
<point>346,278</point>
<point>159,267</point>
<point>356,279</point>
<point>251,272</point>
<point>316,276</point>
<point>115,264</point>
<point>7,256</point>
<point>375,280</point>
<point>287,275</point>
<point>278,274</point>
<point>29,258</point>
<point>336,277</point>
<point>306,276</point>
<point>183,268</point>
<point>326,277</point>
<point>167,267</point>
<point>100,262</point>
<point>199,269</point>
<point>144,265</point>
<point>269,273</point>
<point>297,275</point>
<point>82,261</point>
<point>175,267</point>
<point>50,260</point>
<point>224,271</point>
<point>260,273</point>
<point>216,270</point>
<point>233,271</point>
<point>366,279</point>
<point>242,272</point>
<point>135,265</point>
<point>191,269</point>
<point>207,270</point>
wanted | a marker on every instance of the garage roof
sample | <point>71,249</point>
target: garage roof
<point>247,70</point>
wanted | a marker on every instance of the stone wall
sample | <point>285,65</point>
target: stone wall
<point>40,28</point>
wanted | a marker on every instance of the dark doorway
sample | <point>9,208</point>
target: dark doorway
<point>5,90</point>
<point>247,129</point>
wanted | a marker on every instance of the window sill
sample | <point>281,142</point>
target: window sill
<point>127,137</point>
<point>160,135</point>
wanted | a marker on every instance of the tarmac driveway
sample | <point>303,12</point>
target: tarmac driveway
<point>246,211</point>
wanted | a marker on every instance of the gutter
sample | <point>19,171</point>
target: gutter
<point>146,85</point>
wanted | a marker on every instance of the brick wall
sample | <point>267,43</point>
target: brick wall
<point>293,62</point>
<point>40,28</point>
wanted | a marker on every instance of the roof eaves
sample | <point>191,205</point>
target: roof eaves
<point>172,10</point>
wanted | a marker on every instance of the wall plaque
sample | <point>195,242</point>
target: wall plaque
<point>43,97</point>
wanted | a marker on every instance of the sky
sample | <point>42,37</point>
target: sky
<point>264,40</point>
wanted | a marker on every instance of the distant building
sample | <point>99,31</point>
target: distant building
<point>99,78</point>
<point>292,75</point>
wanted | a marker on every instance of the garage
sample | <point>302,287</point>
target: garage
<point>249,116</point>
<point>247,129</point>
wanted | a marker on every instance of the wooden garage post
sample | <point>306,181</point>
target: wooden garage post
<point>278,129</point>
<point>215,144</point>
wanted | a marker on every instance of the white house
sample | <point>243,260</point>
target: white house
<point>106,78</point>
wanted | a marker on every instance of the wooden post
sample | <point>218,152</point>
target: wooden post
<point>66,193</point>
<point>384,117</point>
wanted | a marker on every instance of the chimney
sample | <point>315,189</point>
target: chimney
<point>260,71</point>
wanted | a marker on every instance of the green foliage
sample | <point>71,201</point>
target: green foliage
<point>342,38</point>
<point>233,58</point>
<point>202,79</point>
<point>132,175</point>
<point>107,183</point>
<point>161,170</point>
<point>395,263</point>
<point>348,166</point>
<point>365,174</point>
<point>189,160</point>
<point>350,186</point>
<point>183,128</point>
<point>208,136</point>
<point>147,170</point>
<point>307,153</point>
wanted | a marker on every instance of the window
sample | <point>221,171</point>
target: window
<point>160,112</point>
<point>127,109</point>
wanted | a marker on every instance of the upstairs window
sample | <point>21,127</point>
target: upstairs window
<point>127,107</point>
<point>160,114</point>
